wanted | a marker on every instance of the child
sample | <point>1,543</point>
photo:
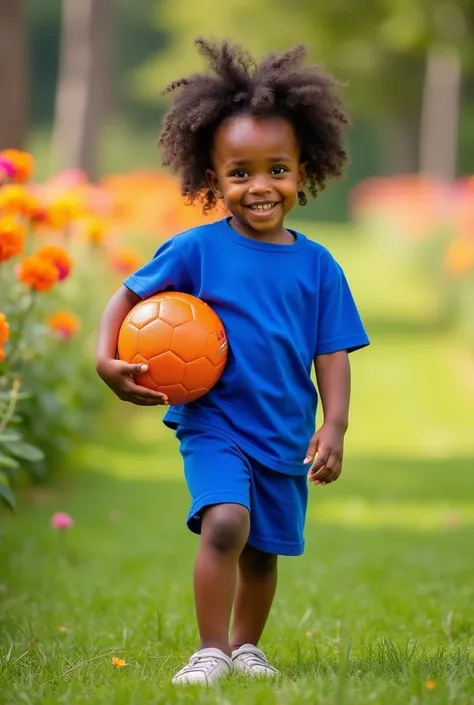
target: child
<point>254,137</point>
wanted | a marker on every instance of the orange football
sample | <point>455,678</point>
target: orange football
<point>181,339</point>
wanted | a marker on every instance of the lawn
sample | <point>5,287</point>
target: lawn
<point>380,609</point>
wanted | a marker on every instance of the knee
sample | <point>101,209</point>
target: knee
<point>226,527</point>
<point>255,563</point>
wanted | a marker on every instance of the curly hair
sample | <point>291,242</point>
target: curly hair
<point>279,86</point>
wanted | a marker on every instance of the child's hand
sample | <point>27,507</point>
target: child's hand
<point>119,376</point>
<point>325,449</point>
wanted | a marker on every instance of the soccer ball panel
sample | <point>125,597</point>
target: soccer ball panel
<point>127,344</point>
<point>189,341</point>
<point>176,393</point>
<point>199,373</point>
<point>144,313</point>
<point>175,312</point>
<point>154,338</point>
<point>166,369</point>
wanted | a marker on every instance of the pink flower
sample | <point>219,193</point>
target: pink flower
<point>61,521</point>
<point>7,170</point>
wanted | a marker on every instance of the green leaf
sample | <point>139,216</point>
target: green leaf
<point>25,451</point>
<point>16,419</point>
<point>6,462</point>
<point>6,495</point>
<point>10,437</point>
<point>6,396</point>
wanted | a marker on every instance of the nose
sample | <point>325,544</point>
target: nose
<point>260,185</point>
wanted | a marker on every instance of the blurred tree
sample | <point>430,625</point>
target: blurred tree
<point>82,97</point>
<point>14,84</point>
<point>378,47</point>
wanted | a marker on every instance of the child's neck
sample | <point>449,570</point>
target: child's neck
<point>277,236</point>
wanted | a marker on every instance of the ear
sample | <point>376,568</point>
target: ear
<point>302,175</point>
<point>214,183</point>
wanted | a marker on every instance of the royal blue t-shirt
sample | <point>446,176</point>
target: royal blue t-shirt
<point>281,305</point>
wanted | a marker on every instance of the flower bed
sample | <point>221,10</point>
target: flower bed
<point>64,247</point>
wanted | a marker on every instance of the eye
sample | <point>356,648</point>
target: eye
<point>278,170</point>
<point>240,174</point>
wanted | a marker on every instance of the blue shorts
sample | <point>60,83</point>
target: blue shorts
<point>217,471</point>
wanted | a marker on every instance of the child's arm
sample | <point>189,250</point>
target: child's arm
<point>334,383</point>
<point>118,375</point>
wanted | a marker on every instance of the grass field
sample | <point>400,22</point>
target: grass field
<point>380,609</point>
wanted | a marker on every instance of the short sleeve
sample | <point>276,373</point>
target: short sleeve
<point>166,271</point>
<point>339,323</point>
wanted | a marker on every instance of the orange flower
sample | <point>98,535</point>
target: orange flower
<point>22,162</point>
<point>57,256</point>
<point>95,230</point>
<point>459,256</point>
<point>64,323</point>
<point>4,329</point>
<point>38,273</point>
<point>118,662</point>
<point>37,211</point>
<point>12,238</point>
<point>2,354</point>
<point>125,260</point>
<point>430,685</point>
<point>14,199</point>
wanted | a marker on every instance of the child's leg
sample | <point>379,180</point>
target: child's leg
<point>224,532</point>
<point>256,585</point>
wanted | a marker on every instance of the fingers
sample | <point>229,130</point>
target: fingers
<point>136,368</point>
<point>143,401</point>
<point>329,472</point>
<point>311,452</point>
<point>147,393</point>
<point>136,393</point>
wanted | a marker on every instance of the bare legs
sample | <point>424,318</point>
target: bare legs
<point>229,573</point>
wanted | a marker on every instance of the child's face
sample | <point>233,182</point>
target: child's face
<point>257,171</point>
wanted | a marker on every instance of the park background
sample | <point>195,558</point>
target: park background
<point>380,607</point>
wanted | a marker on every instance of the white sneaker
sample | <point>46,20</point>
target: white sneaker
<point>252,662</point>
<point>205,667</point>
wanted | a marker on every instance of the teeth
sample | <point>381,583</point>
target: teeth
<point>263,206</point>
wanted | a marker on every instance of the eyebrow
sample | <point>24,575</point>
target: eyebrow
<point>243,162</point>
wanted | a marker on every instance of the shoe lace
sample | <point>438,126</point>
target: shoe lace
<point>203,663</point>
<point>256,658</point>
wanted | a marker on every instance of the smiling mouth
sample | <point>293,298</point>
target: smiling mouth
<point>262,207</point>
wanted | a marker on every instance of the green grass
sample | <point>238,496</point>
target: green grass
<point>380,604</point>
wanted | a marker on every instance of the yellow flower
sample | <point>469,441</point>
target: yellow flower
<point>12,238</point>
<point>4,329</point>
<point>37,211</point>
<point>118,662</point>
<point>63,210</point>
<point>14,199</point>
<point>430,685</point>
<point>38,273</point>
<point>22,163</point>
<point>64,323</point>
<point>96,230</point>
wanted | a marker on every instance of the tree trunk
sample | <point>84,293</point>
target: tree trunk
<point>400,144</point>
<point>13,75</point>
<point>83,85</point>
<point>440,114</point>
